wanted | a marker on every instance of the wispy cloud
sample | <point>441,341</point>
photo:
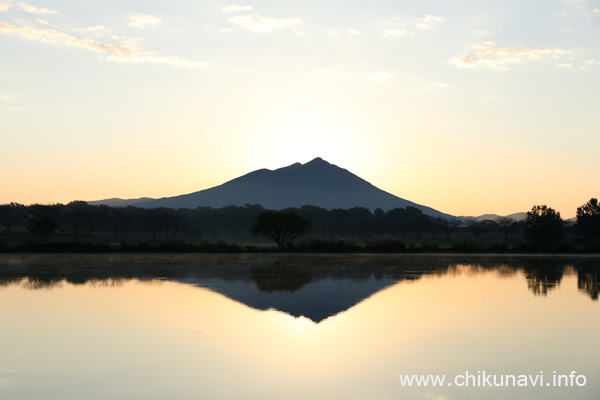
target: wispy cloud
<point>148,57</point>
<point>144,21</point>
<point>95,28</point>
<point>394,32</point>
<point>428,21</point>
<point>4,6</point>
<point>587,63</point>
<point>258,23</point>
<point>9,98</point>
<point>488,55</point>
<point>379,76</point>
<point>395,27</point>
<point>345,32</point>
<point>566,65</point>
<point>123,53</point>
<point>235,8</point>
<point>34,10</point>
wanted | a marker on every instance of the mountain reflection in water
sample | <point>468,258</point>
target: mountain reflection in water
<point>315,287</point>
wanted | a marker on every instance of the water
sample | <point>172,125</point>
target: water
<point>296,327</point>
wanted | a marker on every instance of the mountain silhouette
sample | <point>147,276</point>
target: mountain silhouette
<point>316,183</point>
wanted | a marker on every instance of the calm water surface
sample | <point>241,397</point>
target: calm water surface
<point>295,327</point>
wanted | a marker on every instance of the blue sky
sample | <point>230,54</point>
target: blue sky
<point>468,106</point>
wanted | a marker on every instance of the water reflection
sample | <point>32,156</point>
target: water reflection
<point>292,327</point>
<point>315,287</point>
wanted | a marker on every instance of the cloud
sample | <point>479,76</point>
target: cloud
<point>34,10</point>
<point>425,23</point>
<point>431,18</point>
<point>8,98</point>
<point>234,8</point>
<point>400,26</point>
<point>95,28</point>
<point>597,10</point>
<point>144,21</point>
<point>394,32</point>
<point>328,69</point>
<point>226,30</point>
<point>123,53</point>
<point>42,22</point>
<point>479,33</point>
<point>488,55</point>
<point>564,65</point>
<point>147,57</point>
<point>258,23</point>
<point>4,6</point>
<point>587,63</point>
<point>379,76</point>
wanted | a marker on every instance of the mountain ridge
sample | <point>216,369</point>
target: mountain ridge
<point>317,183</point>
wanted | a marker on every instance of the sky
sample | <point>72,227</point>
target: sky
<point>469,107</point>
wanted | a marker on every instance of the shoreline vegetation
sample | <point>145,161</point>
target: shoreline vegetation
<point>79,227</point>
<point>309,246</point>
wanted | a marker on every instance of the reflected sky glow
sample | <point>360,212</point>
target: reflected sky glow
<point>156,339</point>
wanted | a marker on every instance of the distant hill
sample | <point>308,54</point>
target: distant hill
<point>316,183</point>
<point>116,202</point>
<point>516,216</point>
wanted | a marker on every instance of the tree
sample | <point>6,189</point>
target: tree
<point>281,226</point>
<point>544,224</point>
<point>588,219</point>
<point>77,214</point>
<point>505,225</point>
<point>476,227</point>
<point>447,225</point>
<point>118,219</point>
<point>11,214</point>
<point>42,226</point>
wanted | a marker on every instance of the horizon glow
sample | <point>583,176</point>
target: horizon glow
<point>469,108</point>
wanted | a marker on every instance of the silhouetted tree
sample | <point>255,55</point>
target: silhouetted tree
<point>76,214</point>
<point>11,215</point>
<point>42,226</point>
<point>476,227</point>
<point>544,224</point>
<point>588,219</point>
<point>281,226</point>
<point>118,219</point>
<point>447,225</point>
<point>505,225</point>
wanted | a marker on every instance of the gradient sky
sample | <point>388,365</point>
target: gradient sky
<point>469,107</point>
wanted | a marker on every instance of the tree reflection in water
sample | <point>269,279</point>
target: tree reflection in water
<point>289,273</point>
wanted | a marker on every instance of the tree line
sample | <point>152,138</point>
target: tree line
<point>79,218</point>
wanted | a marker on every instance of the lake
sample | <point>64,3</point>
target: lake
<point>299,327</point>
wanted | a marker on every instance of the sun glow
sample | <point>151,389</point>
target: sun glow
<point>304,134</point>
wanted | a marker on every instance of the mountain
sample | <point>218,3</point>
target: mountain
<point>516,216</point>
<point>316,183</point>
<point>317,300</point>
<point>116,202</point>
